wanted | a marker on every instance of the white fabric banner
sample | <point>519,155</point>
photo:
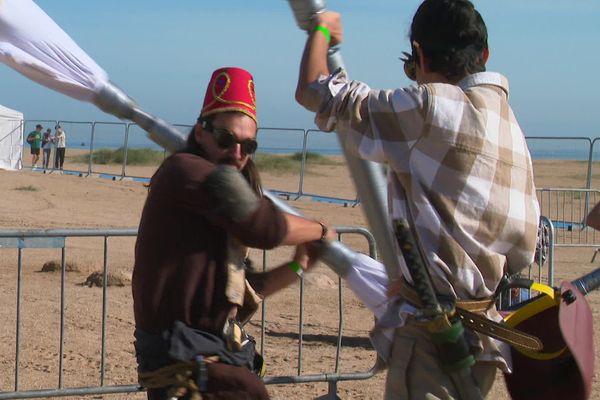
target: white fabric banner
<point>35,46</point>
<point>368,279</point>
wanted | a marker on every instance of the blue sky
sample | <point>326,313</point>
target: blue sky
<point>162,54</point>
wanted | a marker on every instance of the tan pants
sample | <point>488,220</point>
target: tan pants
<point>415,371</point>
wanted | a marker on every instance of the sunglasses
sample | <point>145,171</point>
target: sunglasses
<point>410,65</point>
<point>226,140</point>
<point>410,62</point>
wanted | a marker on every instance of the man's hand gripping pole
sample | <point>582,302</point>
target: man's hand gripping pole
<point>368,176</point>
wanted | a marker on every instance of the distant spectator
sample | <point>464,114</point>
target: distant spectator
<point>47,147</point>
<point>35,141</point>
<point>60,141</point>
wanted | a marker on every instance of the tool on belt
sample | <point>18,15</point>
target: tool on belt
<point>446,328</point>
<point>467,311</point>
<point>177,359</point>
<point>551,336</point>
<point>183,378</point>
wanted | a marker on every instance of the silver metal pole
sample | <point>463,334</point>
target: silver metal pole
<point>368,176</point>
<point>104,311</point>
<point>18,317</point>
<point>125,149</point>
<point>61,345</point>
<point>335,254</point>
<point>91,154</point>
<point>114,101</point>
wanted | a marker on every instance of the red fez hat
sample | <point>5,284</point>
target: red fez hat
<point>230,89</point>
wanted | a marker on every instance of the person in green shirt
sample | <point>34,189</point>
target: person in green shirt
<point>35,141</point>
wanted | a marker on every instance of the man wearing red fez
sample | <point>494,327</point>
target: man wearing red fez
<point>193,288</point>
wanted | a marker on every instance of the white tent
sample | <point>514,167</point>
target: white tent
<point>11,138</point>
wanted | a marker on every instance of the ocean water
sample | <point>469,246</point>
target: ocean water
<point>292,140</point>
<point>539,151</point>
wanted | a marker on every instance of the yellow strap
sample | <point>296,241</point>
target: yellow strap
<point>535,307</point>
<point>540,287</point>
<point>539,355</point>
<point>551,299</point>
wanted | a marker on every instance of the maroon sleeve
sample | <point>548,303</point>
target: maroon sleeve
<point>183,177</point>
<point>264,229</point>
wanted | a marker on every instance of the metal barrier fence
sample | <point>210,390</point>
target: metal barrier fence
<point>294,140</point>
<point>581,148</point>
<point>568,209</point>
<point>56,239</point>
<point>542,269</point>
<point>564,213</point>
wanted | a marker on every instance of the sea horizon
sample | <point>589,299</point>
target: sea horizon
<point>290,140</point>
<point>536,154</point>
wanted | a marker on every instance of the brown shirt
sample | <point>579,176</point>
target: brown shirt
<point>180,270</point>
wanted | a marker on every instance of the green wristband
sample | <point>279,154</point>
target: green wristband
<point>294,266</point>
<point>323,29</point>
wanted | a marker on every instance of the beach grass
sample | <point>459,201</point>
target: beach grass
<point>291,162</point>
<point>28,188</point>
<point>142,156</point>
<point>315,158</point>
<point>280,163</point>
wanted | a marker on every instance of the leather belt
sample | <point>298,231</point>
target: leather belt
<point>466,310</point>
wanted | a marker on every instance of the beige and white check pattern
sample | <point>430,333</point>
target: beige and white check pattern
<point>458,163</point>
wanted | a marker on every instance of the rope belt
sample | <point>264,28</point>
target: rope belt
<point>466,310</point>
<point>181,378</point>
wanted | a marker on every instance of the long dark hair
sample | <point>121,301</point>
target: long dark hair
<point>191,146</point>
<point>250,172</point>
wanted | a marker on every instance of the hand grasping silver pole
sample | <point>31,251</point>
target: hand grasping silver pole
<point>368,177</point>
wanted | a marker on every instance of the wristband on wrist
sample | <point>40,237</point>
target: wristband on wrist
<point>324,231</point>
<point>294,266</point>
<point>323,29</point>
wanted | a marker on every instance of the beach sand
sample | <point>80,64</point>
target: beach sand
<point>34,200</point>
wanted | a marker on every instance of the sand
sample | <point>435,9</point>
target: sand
<point>34,200</point>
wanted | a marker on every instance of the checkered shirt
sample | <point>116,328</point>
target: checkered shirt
<point>459,171</point>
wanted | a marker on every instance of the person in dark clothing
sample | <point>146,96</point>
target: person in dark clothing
<point>204,210</point>
<point>47,147</point>
<point>34,138</point>
<point>60,141</point>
